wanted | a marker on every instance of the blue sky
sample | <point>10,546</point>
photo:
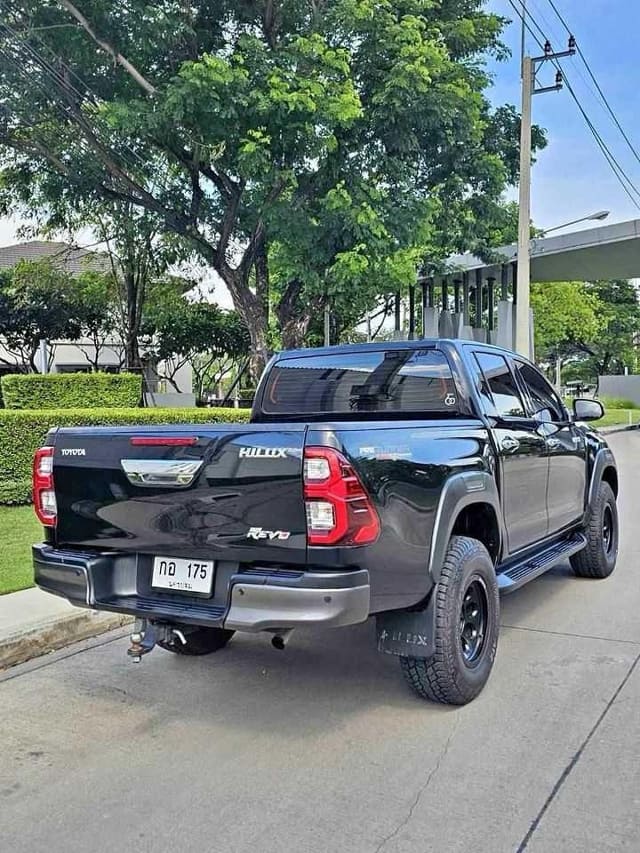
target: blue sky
<point>571,177</point>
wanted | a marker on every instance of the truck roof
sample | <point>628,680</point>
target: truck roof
<point>418,343</point>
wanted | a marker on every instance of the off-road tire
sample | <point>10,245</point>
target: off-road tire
<point>202,641</point>
<point>447,677</point>
<point>598,558</point>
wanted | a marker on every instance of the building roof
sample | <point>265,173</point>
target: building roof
<point>608,251</point>
<point>71,258</point>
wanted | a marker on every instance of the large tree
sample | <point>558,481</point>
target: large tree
<point>335,143</point>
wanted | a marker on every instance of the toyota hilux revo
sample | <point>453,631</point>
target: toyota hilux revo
<point>409,481</point>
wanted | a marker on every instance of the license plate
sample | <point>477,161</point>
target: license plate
<point>182,575</point>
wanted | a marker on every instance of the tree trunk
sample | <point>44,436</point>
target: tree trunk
<point>253,310</point>
<point>133,318</point>
<point>292,317</point>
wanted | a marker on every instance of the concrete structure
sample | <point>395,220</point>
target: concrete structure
<point>626,387</point>
<point>478,295</point>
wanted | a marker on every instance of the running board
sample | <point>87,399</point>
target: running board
<point>521,573</point>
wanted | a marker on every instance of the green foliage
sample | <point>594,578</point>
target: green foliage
<point>36,301</point>
<point>22,432</point>
<point>593,324</point>
<point>71,390</point>
<point>612,349</point>
<point>618,403</point>
<point>333,145</point>
<point>95,294</point>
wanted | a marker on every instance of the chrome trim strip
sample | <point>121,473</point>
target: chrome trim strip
<point>172,473</point>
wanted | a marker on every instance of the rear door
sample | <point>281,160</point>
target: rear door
<point>215,492</point>
<point>521,449</point>
<point>565,448</point>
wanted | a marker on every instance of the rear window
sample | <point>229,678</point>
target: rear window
<point>363,382</point>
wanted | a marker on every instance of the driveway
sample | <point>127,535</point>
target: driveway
<point>323,748</point>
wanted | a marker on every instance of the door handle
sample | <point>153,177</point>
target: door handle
<point>509,444</point>
<point>552,443</point>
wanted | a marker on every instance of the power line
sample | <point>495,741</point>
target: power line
<point>68,88</point>
<point>619,172</point>
<point>604,98</point>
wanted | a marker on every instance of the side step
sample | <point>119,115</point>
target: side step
<point>531,567</point>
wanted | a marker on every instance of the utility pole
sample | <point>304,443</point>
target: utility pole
<point>522,341</point>
<point>530,66</point>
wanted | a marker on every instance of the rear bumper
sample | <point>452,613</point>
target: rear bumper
<point>257,599</point>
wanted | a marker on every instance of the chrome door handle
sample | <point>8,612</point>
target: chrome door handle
<point>552,443</point>
<point>509,444</point>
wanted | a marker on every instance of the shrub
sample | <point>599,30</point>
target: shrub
<point>22,432</point>
<point>71,390</point>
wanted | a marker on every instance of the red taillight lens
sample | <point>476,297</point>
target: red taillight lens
<point>339,511</point>
<point>44,496</point>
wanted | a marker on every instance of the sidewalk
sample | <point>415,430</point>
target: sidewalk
<point>33,623</point>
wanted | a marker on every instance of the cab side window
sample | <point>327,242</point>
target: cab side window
<point>502,385</point>
<point>546,403</point>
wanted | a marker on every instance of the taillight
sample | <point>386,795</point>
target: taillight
<point>44,496</point>
<point>339,511</point>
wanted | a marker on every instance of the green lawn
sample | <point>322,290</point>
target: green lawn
<point>19,529</point>
<point>619,416</point>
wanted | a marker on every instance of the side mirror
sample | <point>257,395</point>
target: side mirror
<point>587,410</point>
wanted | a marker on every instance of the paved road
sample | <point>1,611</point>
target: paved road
<point>322,748</point>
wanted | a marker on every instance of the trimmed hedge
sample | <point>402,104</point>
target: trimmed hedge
<point>71,390</point>
<point>23,432</point>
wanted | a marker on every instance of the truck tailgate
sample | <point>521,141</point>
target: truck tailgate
<point>222,491</point>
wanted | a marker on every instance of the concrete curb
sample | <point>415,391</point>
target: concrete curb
<point>53,634</point>
<point>618,428</point>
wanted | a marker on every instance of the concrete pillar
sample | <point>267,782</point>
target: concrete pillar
<point>490,310</point>
<point>504,334</point>
<point>477,314</point>
<point>412,313</point>
<point>463,329</point>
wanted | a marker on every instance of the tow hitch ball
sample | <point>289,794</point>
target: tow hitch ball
<point>145,635</point>
<point>143,639</point>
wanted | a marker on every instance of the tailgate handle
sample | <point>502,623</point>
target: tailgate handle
<point>173,473</point>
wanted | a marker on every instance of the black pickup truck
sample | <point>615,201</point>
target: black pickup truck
<point>414,481</point>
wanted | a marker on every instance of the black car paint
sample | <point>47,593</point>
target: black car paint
<point>419,474</point>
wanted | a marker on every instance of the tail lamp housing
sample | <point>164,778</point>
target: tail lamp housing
<point>339,510</point>
<point>44,496</point>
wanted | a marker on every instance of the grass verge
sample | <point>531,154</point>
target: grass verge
<point>615,417</point>
<point>19,529</point>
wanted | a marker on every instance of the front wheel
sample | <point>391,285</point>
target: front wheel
<point>598,558</point>
<point>466,628</point>
<point>201,641</point>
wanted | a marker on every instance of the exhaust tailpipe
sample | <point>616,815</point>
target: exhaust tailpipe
<point>280,640</point>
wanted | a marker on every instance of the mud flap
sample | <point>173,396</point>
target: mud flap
<point>408,633</point>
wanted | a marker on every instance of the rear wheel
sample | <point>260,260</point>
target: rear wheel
<point>466,628</point>
<point>598,558</point>
<point>201,641</point>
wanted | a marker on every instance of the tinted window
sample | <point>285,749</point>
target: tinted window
<point>544,398</point>
<point>396,381</point>
<point>504,391</point>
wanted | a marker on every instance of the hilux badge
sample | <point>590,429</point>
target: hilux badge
<point>262,452</point>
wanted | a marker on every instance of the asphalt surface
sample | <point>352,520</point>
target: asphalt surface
<point>323,748</point>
